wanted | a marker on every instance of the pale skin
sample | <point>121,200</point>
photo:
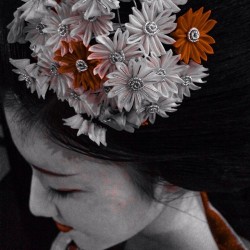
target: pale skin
<point>104,207</point>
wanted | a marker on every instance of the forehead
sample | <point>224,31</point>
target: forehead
<point>38,149</point>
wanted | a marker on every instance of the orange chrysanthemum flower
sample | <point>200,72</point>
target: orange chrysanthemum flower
<point>192,41</point>
<point>76,63</point>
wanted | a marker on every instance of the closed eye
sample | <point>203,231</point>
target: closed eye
<point>60,194</point>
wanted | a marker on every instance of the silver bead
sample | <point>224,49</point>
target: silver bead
<point>54,68</point>
<point>117,56</point>
<point>151,28</point>
<point>161,72</point>
<point>75,96</point>
<point>27,79</point>
<point>152,109</point>
<point>92,19</point>
<point>81,66</point>
<point>187,80</point>
<point>107,89</point>
<point>40,27</point>
<point>63,30</point>
<point>33,48</point>
<point>193,35</point>
<point>135,83</point>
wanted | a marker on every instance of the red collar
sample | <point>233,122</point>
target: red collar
<point>224,235</point>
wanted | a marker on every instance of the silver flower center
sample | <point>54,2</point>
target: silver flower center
<point>40,27</point>
<point>27,79</point>
<point>151,28</point>
<point>135,83</point>
<point>193,35</point>
<point>161,72</point>
<point>187,80</point>
<point>33,48</point>
<point>81,66</point>
<point>54,68</point>
<point>63,30</point>
<point>74,96</point>
<point>92,19</point>
<point>117,56</point>
<point>107,89</point>
<point>152,109</point>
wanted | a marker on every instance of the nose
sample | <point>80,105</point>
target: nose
<point>39,203</point>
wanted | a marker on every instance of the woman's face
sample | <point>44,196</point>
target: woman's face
<point>97,198</point>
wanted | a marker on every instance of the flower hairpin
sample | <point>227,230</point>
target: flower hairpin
<point>129,75</point>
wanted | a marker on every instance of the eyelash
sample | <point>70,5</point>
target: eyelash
<point>55,194</point>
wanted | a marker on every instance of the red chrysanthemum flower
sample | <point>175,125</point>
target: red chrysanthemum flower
<point>192,41</point>
<point>76,63</point>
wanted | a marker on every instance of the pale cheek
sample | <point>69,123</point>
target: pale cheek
<point>119,201</point>
<point>118,190</point>
<point>93,213</point>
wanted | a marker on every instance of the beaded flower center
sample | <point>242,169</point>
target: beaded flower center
<point>151,28</point>
<point>117,56</point>
<point>27,79</point>
<point>63,30</point>
<point>74,96</point>
<point>107,89</point>
<point>92,19</point>
<point>81,66</point>
<point>54,68</point>
<point>193,35</point>
<point>187,80</point>
<point>135,83</point>
<point>40,27</point>
<point>152,109</point>
<point>161,72</point>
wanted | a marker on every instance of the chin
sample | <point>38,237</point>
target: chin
<point>85,242</point>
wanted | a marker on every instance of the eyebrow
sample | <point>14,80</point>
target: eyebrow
<point>47,172</point>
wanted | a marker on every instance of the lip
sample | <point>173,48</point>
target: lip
<point>63,228</point>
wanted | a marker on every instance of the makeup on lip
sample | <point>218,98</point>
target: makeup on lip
<point>72,246</point>
<point>63,228</point>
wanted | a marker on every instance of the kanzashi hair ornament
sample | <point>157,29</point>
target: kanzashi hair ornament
<point>121,75</point>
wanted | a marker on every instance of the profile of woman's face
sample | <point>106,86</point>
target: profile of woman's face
<point>96,198</point>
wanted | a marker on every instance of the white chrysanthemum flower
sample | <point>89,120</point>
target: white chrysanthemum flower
<point>190,75</point>
<point>24,69</point>
<point>86,127</point>
<point>93,8</point>
<point>85,29</point>
<point>30,74</point>
<point>59,83</point>
<point>167,68</point>
<point>151,28</point>
<point>34,9</point>
<point>55,28</point>
<point>161,108</point>
<point>118,120</point>
<point>84,102</point>
<point>162,5</point>
<point>102,97</point>
<point>111,52</point>
<point>132,84</point>
<point>42,83</point>
<point>16,27</point>
<point>35,34</point>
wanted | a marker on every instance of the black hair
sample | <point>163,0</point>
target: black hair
<point>204,146</point>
